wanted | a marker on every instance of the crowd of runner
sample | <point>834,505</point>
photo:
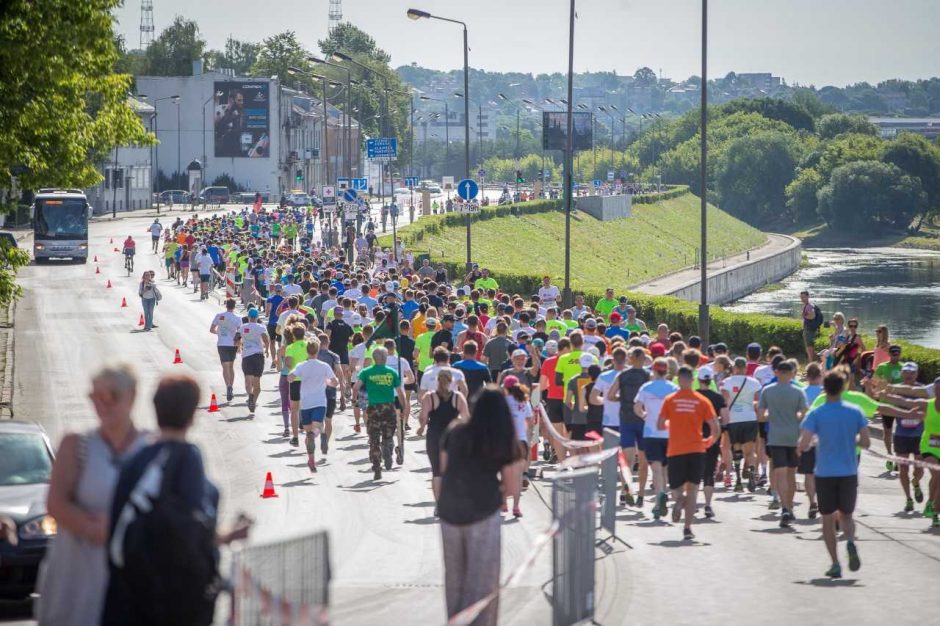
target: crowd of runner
<point>407,346</point>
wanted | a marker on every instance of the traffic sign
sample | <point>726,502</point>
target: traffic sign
<point>610,175</point>
<point>350,195</point>
<point>411,182</point>
<point>597,182</point>
<point>382,148</point>
<point>447,183</point>
<point>467,189</point>
<point>342,183</point>
<point>360,184</point>
<point>329,195</point>
<point>468,207</point>
<point>481,173</point>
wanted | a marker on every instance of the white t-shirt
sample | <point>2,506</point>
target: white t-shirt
<point>353,293</point>
<point>429,378</point>
<point>204,263</point>
<point>523,329</point>
<point>313,375</point>
<point>611,407</point>
<point>521,411</point>
<point>651,396</point>
<point>227,324</point>
<point>282,318</point>
<point>548,294</point>
<point>291,290</point>
<point>764,374</point>
<point>252,343</point>
<point>358,353</point>
<point>156,229</point>
<point>392,362</point>
<point>743,408</point>
<point>327,306</point>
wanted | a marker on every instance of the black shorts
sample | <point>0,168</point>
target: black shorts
<point>253,365</point>
<point>578,432</point>
<point>711,463</point>
<point>807,462</point>
<point>686,468</point>
<point>836,493</point>
<point>656,449</point>
<point>740,433</point>
<point>555,410</point>
<point>782,456</point>
<point>204,278</point>
<point>295,391</point>
<point>226,353</point>
<point>904,446</point>
<point>330,406</point>
<point>272,333</point>
<point>762,431</point>
<point>411,387</point>
<point>888,422</point>
<point>343,356</point>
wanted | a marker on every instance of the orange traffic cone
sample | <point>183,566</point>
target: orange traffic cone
<point>108,286</point>
<point>213,405</point>
<point>268,487</point>
<point>96,258</point>
<point>177,359</point>
<point>141,322</point>
<point>123,303</point>
<point>97,270</point>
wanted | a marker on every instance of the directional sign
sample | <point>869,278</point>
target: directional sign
<point>597,182</point>
<point>360,184</point>
<point>382,148</point>
<point>329,195</point>
<point>411,182</point>
<point>467,189</point>
<point>350,195</point>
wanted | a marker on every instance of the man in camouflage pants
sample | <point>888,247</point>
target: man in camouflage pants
<point>383,386</point>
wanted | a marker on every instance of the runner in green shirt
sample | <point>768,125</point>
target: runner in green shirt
<point>382,385</point>
<point>606,304</point>
<point>486,281</point>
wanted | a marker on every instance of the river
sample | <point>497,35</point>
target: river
<point>894,286</point>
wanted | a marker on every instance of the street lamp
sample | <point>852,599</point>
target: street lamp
<point>416,14</point>
<point>703,315</point>
<point>479,127</point>
<point>611,116</point>
<point>532,105</point>
<point>566,293</point>
<point>326,135</point>
<point>446,129</point>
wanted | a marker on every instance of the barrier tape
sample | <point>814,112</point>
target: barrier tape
<point>571,444</point>
<point>592,458</point>
<point>274,606</point>
<point>934,466</point>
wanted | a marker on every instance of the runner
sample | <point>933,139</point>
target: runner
<point>647,404</point>
<point>705,377</point>
<point>741,393</point>
<point>517,395</point>
<point>624,390</point>
<point>314,377</point>
<point>225,326</point>
<point>438,410</point>
<point>155,229</point>
<point>382,385</point>
<point>253,340</point>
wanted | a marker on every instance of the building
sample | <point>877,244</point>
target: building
<point>759,80</point>
<point>255,131</point>
<point>127,174</point>
<point>889,127</point>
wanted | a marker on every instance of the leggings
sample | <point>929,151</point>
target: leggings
<point>283,386</point>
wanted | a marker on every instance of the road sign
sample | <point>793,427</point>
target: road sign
<point>468,207</point>
<point>342,183</point>
<point>610,175</point>
<point>467,189</point>
<point>329,195</point>
<point>350,195</point>
<point>360,184</point>
<point>382,148</point>
<point>597,182</point>
<point>411,182</point>
<point>481,173</point>
<point>447,183</point>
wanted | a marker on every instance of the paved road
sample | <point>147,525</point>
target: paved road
<point>386,546</point>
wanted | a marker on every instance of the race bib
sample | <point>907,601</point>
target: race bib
<point>934,441</point>
<point>908,423</point>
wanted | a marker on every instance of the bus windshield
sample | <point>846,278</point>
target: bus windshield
<point>64,218</point>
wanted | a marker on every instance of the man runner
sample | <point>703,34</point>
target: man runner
<point>225,326</point>
<point>382,385</point>
<point>254,342</point>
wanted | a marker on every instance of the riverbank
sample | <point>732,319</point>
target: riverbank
<point>821,236</point>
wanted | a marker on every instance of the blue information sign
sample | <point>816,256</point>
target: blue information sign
<point>597,183</point>
<point>411,182</point>
<point>467,189</point>
<point>382,148</point>
<point>350,195</point>
<point>360,184</point>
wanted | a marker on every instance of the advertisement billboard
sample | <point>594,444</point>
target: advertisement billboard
<point>242,118</point>
<point>555,127</point>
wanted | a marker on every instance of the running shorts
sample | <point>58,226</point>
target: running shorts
<point>272,332</point>
<point>888,422</point>
<point>295,391</point>
<point>807,462</point>
<point>836,493</point>
<point>253,365</point>
<point>711,464</point>
<point>631,434</point>
<point>578,431</point>
<point>740,433</point>
<point>204,278</point>
<point>343,357</point>
<point>309,416</point>
<point>226,353</point>
<point>330,406</point>
<point>555,409</point>
<point>169,262</point>
<point>782,456</point>
<point>904,446</point>
<point>655,449</point>
<point>686,468</point>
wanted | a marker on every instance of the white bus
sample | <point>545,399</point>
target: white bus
<point>60,225</point>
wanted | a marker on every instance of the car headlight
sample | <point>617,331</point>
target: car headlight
<point>39,527</point>
<point>83,246</point>
<point>40,246</point>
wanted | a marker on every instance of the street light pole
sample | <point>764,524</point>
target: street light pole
<point>703,315</point>
<point>566,293</point>
<point>179,140</point>
<point>347,140</point>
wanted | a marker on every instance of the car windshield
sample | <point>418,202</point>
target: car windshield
<point>61,219</point>
<point>24,459</point>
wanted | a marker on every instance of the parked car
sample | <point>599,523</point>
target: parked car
<point>298,199</point>
<point>175,196</point>
<point>7,239</point>
<point>215,195</point>
<point>25,468</point>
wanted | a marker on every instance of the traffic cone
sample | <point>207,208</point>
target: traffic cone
<point>123,303</point>
<point>96,258</point>
<point>97,270</point>
<point>213,405</point>
<point>177,359</point>
<point>141,322</point>
<point>268,487</point>
<point>108,286</point>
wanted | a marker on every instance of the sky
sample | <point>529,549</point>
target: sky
<point>807,42</point>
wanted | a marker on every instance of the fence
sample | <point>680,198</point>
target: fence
<point>282,584</point>
<point>574,498</point>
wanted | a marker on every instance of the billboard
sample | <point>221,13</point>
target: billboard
<point>555,127</point>
<point>242,118</point>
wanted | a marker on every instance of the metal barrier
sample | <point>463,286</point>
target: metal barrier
<point>282,584</point>
<point>609,477</point>
<point>574,502</point>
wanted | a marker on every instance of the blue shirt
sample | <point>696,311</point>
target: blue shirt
<point>836,424</point>
<point>275,302</point>
<point>214,253</point>
<point>408,307</point>
<point>812,391</point>
<point>617,331</point>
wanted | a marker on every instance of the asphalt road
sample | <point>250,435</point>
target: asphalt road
<point>385,542</point>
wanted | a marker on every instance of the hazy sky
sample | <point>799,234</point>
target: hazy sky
<point>806,41</point>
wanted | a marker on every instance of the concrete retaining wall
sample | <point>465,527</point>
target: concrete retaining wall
<point>606,208</point>
<point>736,282</point>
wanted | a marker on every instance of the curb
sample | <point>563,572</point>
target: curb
<point>6,389</point>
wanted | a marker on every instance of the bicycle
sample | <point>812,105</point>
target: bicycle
<point>129,262</point>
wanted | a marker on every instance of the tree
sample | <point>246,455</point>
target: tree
<point>173,52</point>
<point>864,194</point>
<point>773,108</point>
<point>846,149</point>
<point>801,194</point>
<point>279,52</point>
<point>918,158</point>
<point>238,56</point>
<point>754,174</point>
<point>834,124</point>
<point>809,102</point>
<point>645,77</point>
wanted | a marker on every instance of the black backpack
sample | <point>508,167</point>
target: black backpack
<point>818,319</point>
<point>168,563</point>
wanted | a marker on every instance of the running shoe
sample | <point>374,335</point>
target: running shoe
<point>747,472</point>
<point>639,501</point>
<point>273,365</point>
<point>762,480</point>
<point>835,571</point>
<point>739,487</point>
<point>728,480</point>
<point>909,505</point>
<point>854,562</point>
<point>928,510</point>
<point>324,443</point>
<point>546,450</point>
<point>251,404</point>
<point>709,512</point>
<point>294,441</point>
<point>785,519</point>
<point>918,492</point>
<point>399,456</point>
<point>687,534</point>
<point>751,485</point>
<point>889,465</point>
<point>516,512</point>
<point>936,522</point>
<point>813,511</point>
<point>774,504</point>
<point>229,393</point>
<point>387,450</point>
<point>626,498</point>
<point>286,433</point>
<point>525,480</point>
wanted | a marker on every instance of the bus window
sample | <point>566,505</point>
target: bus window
<point>65,218</point>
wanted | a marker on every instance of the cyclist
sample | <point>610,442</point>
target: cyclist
<point>129,249</point>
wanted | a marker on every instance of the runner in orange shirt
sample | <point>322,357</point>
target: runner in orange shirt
<point>684,413</point>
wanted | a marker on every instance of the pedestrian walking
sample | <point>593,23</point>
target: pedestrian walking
<point>149,297</point>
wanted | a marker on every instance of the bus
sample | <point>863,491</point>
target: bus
<point>60,225</point>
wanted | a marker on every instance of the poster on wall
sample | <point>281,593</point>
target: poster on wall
<point>242,113</point>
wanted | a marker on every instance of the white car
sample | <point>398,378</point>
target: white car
<point>402,191</point>
<point>430,185</point>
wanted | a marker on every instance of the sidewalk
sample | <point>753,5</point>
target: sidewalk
<point>670,283</point>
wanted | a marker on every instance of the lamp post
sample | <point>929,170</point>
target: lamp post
<point>347,126</point>
<point>479,126</point>
<point>179,141</point>
<point>217,94</point>
<point>532,105</point>
<point>155,131</point>
<point>415,14</point>
<point>611,116</point>
<point>566,293</point>
<point>446,130</point>
<point>703,316</point>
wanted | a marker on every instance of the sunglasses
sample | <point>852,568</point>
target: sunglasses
<point>853,325</point>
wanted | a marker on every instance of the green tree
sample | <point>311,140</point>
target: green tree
<point>832,125</point>
<point>754,174</point>
<point>864,194</point>
<point>809,102</point>
<point>918,158</point>
<point>773,108</point>
<point>238,55</point>
<point>801,195</point>
<point>645,77</point>
<point>173,52</point>
<point>279,52</point>
<point>846,149</point>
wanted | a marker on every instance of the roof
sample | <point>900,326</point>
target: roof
<point>60,193</point>
<point>140,106</point>
<point>20,427</point>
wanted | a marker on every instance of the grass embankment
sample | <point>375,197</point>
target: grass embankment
<point>821,236</point>
<point>657,239</point>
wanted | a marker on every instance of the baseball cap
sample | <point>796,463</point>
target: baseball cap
<point>894,350</point>
<point>389,286</point>
<point>622,299</point>
<point>721,347</point>
<point>356,319</point>
<point>631,308</point>
<point>615,317</point>
<point>910,366</point>
<point>252,312</point>
<point>538,343</point>
<point>590,323</point>
<point>510,381</point>
<point>645,339</point>
<point>705,373</point>
<point>431,322</point>
<point>753,347</point>
<point>657,349</point>
<point>587,360</point>
<point>519,352</point>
